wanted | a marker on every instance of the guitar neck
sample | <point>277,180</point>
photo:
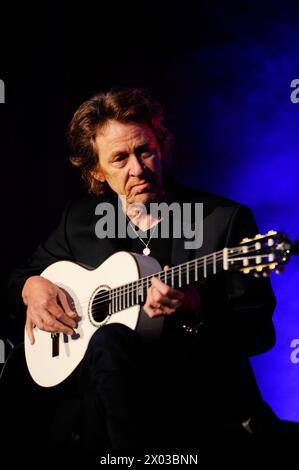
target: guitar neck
<point>193,271</point>
<point>259,254</point>
<point>134,293</point>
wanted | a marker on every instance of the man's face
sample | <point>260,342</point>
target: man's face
<point>130,161</point>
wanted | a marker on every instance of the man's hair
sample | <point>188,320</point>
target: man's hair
<point>131,105</point>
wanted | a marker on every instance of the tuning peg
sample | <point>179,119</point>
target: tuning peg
<point>272,232</point>
<point>246,270</point>
<point>258,236</point>
<point>259,268</point>
<point>245,240</point>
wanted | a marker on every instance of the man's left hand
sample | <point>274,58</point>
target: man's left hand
<point>164,300</point>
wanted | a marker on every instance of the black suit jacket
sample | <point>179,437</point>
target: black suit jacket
<point>237,309</point>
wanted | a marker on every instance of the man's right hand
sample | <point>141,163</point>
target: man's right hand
<point>47,308</point>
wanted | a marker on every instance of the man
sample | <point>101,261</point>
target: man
<point>127,392</point>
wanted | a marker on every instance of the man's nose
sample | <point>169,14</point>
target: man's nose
<point>136,166</point>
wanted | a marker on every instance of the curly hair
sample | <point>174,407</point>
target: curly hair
<point>124,105</point>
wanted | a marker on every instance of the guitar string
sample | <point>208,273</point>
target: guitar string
<point>200,263</point>
<point>105,297</point>
<point>176,272</point>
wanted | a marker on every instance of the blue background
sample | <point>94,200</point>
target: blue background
<point>243,134</point>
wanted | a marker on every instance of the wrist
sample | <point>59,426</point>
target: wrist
<point>27,286</point>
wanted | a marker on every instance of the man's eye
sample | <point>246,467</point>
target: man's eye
<point>120,158</point>
<point>147,153</point>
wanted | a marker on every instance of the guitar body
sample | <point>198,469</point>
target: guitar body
<point>50,360</point>
<point>113,293</point>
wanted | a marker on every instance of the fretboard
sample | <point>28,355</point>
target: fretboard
<point>135,293</point>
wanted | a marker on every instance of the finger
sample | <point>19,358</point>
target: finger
<point>56,326</point>
<point>166,267</point>
<point>167,310</point>
<point>29,330</point>
<point>54,309</point>
<point>166,302</point>
<point>65,305</point>
<point>159,311</point>
<point>164,289</point>
<point>47,322</point>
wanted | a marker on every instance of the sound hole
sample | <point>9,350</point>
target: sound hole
<point>100,306</point>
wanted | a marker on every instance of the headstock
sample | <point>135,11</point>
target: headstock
<point>261,254</point>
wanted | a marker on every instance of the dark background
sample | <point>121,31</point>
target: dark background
<point>200,59</point>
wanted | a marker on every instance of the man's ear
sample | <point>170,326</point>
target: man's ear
<point>98,174</point>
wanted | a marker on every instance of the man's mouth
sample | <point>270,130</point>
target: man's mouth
<point>141,187</point>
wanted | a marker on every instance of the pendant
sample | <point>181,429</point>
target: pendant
<point>146,251</point>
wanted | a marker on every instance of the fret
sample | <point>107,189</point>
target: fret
<point>165,277</point>
<point>110,306</point>
<point>147,283</point>
<point>196,270</point>
<point>119,298</point>
<point>187,275</point>
<point>172,277</point>
<point>136,294</point>
<point>123,294</point>
<point>204,266</point>
<point>128,296</point>
<point>116,299</point>
<point>141,293</point>
<point>180,276</point>
<point>132,294</point>
<point>214,263</point>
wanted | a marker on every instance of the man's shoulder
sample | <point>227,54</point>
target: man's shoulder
<point>83,207</point>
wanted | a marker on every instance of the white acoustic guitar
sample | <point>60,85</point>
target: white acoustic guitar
<point>114,293</point>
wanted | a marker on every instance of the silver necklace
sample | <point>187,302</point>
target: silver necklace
<point>146,251</point>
